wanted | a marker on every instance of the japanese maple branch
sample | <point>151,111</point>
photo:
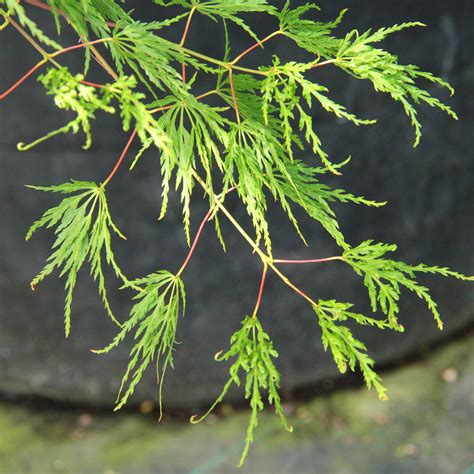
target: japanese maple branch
<point>266,259</point>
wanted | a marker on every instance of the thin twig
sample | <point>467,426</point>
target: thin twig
<point>183,40</point>
<point>260,291</point>
<point>121,157</point>
<point>300,262</point>
<point>256,45</point>
<point>234,97</point>
<point>206,219</point>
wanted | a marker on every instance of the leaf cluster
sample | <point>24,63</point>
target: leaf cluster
<point>154,317</point>
<point>384,278</point>
<point>345,348</point>
<point>82,227</point>
<point>227,10</point>
<point>253,351</point>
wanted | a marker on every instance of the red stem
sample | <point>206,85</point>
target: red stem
<point>196,241</point>
<point>299,262</point>
<point>198,235</point>
<point>79,46</point>
<point>183,40</point>
<point>260,291</point>
<point>256,45</point>
<point>21,80</point>
<point>121,157</point>
<point>234,98</point>
<point>43,61</point>
<point>92,84</point>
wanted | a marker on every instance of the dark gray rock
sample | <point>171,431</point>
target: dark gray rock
<point>429,216</point>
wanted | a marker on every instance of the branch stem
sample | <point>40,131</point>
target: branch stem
<point>301,262</point>
<point>260,291</point>
<point>266,259</point>
<point>121,157</point>
<point>183,39</point>
<point>209,215</point>
<point>223,64</point>
<point>255,46</point>
<point>234,97</point>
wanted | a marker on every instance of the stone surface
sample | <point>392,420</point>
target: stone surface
<point>424,428</point>
<point>429,216</point>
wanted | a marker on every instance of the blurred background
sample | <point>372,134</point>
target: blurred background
<point>57,396</point>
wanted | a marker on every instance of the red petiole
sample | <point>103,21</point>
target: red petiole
<point>300,262</point>
<point>260,291</point>
<point>45,60</point>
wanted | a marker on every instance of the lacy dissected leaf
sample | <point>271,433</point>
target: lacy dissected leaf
<point>286,86</point>
<point>83,226</point>
<point>313,36</point>
<point>85,16</point>
<point>358,57</point>
<point>84,100</point>
<point>253,351</point>
<point>252,156</point>
<point>197,134</point>
<point>229,10</point>
<point>301,186</point>
<point>345,348</point>
<point>150,56</point>
<point>154,317</point>
<point>70,95</point>
<point>384,278</point>
<point>13,7</point>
